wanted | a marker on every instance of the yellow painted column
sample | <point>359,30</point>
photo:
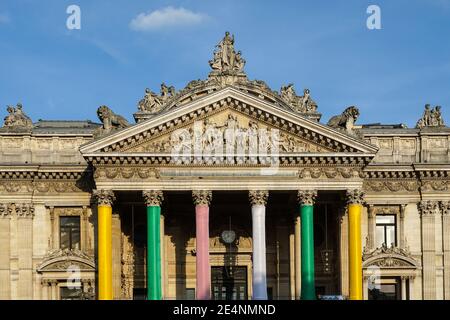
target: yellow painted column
<point>105,199</point>
<point>355,200</point>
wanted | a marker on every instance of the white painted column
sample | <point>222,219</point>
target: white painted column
<point>258,200</point>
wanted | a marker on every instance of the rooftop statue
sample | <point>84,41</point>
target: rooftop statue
<point>346,120</point>
<point>110,120</point>
<point>302,104</point>
<point>154,103</point>
<point>226,60</point>
<point>431,118</point>
<point>17,118</point>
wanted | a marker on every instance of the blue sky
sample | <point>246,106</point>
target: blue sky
<point>390,74</point>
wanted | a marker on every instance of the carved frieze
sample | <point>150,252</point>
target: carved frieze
<point>258,197</point>
<point>391,186</point>
<point>389,257</point>
<point>435,185</point>
<point>330,173</point>
<point>126,173</point>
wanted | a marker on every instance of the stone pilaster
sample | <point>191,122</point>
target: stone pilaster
<point>116,256</point>
<point>25,215</point>
<point>445,209</point>
<point>402,226</point>
<point>427,211</point>
<point>5,252</point>
<point>371,226</point>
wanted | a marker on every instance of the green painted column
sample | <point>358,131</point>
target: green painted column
<point>153,199</point>
<point>306,200</point>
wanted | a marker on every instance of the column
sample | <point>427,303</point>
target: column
<point>5,252</point>
<point>105,199</point>
<point>402,226</point>
<point>445,209</point>
<point>202,200</point>
<point>164,264</point>
<point>25,215</point>
<point>355,199</point>
<point>153,200</point>
<point>54,289</point>
<point>427,212</point>
<point>258,200</point>
<point>404,278</point>
<point>297,257</point>
<point>306,201</point>
<point>116,256</point>
<point>371,227</point>
<point>343,250</point>
<point>44,289</point>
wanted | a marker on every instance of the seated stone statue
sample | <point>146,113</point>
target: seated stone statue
<point>346,120</point>
<point>17,118</point>
<point>111,120</point>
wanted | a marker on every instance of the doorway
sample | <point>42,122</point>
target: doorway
<point>229,283</point>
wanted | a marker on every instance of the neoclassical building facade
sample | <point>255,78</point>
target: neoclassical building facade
<point>225,189</point>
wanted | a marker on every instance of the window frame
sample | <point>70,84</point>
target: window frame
<point>70,247</point>
<point>385,226</point>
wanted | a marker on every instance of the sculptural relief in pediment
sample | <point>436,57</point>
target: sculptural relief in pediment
<point>222,128</point>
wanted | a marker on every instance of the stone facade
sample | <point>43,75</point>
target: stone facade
<point>50,169</point>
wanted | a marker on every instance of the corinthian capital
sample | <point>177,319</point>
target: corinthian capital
<point>307,197</point>
<point>4,211</point>
<point>258,197</point>
<point>104,197</point>
<point>23,210</point>
<point>445,207</point>
<point>202,197</point>
<point>355,196</point>
<point>153,198</point>
<point>427,207</point>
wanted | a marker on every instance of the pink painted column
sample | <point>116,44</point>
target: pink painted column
<point>202,200</point>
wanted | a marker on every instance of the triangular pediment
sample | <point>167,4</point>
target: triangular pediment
<point>228,108</point>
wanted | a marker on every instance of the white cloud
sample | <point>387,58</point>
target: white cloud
<point>166,17</point>
<point>4,18</point>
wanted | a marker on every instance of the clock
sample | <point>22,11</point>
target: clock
<point>228,236</point>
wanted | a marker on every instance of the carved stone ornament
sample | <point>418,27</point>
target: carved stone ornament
<point>301,104</point>
<point>17,118</point>
<point>153,198</point>
<point>104,197</point>
<point>154,103</point>
<point>431,118</point>
<point>346,120</point>
<point>427,207</point>
<point>21,210</point>
<point>202,197</point>
<point>445,207</point>
<point>110,120</point>
<point>355,196</point>
<point>389,257</point>
<point>4,212</point>
<point>307,197</point>
<point>64,259</point>
<point>225,59</point>
<point>258,197</point>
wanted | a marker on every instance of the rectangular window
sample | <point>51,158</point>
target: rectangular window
<point>69,232</point>
<point>386,230</point>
